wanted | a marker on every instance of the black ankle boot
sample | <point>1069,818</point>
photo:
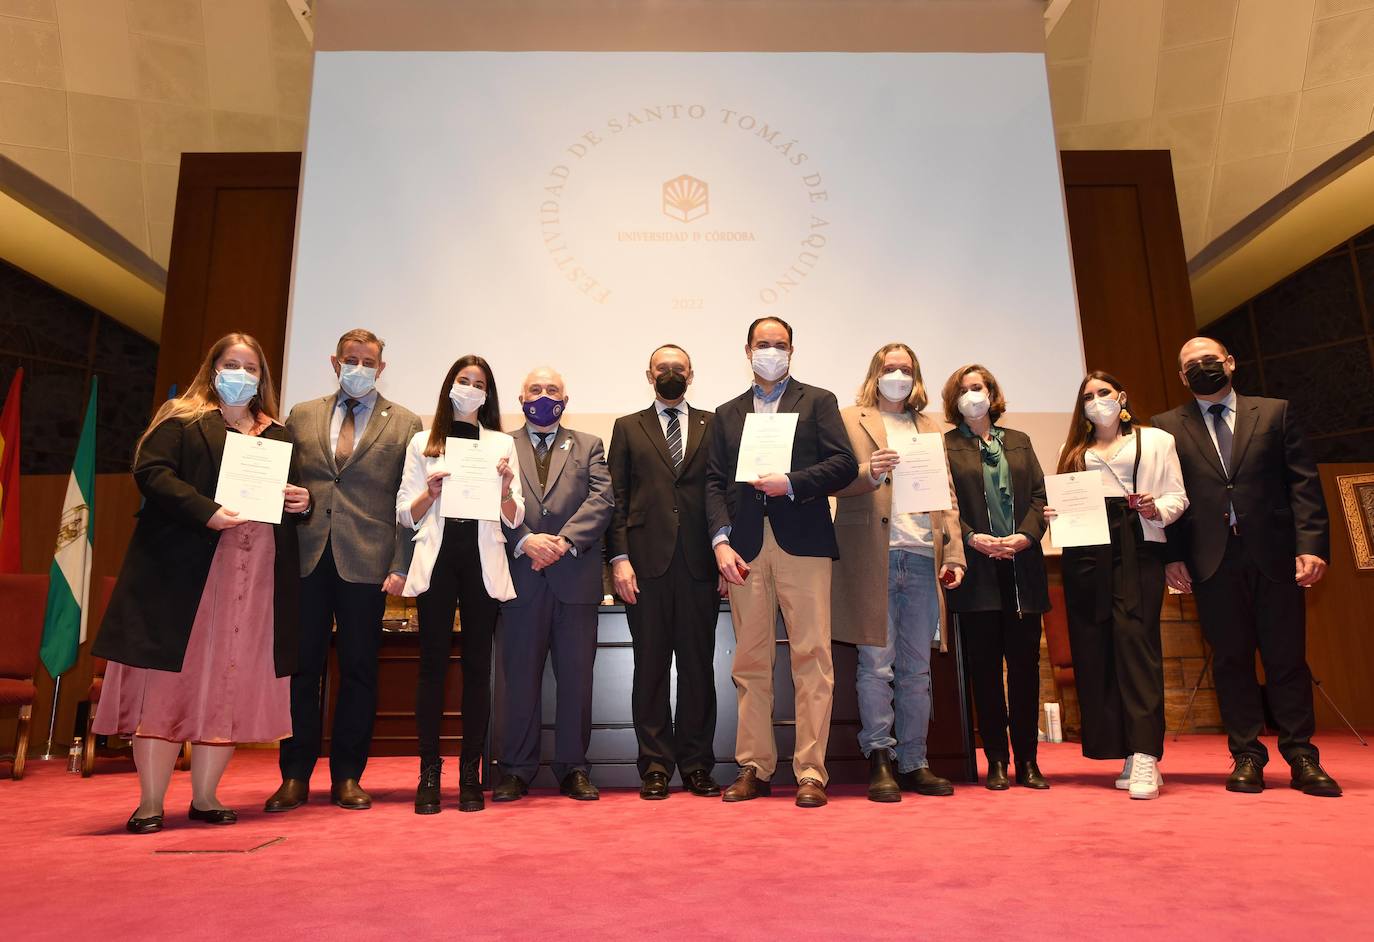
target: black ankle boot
<point>470,785</point>
<point>427,792</point>
<point>882,777</point>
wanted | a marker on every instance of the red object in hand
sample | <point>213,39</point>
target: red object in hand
<point>743,571</point>
<point>1133,501</point>
<point>947,577</point>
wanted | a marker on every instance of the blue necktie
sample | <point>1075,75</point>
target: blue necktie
<point>1223,433</point>
<point>674,437</point>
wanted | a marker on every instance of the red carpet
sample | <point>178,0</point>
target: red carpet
<point>1079,861</point>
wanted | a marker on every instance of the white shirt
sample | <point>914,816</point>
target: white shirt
<point>1228,415</point>
<point>361,413</point>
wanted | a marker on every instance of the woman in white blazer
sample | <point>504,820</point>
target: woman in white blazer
<point>457,563</point>
<point>1113,593</point>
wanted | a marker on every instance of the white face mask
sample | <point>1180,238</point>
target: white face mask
<point>1103,411</point>
<point>974,404</point>
<point>895,386</point>
<point>770,363</point>
<point>466,399</point>
<point>357,380</point>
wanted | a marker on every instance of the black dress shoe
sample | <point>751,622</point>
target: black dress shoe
<point>925,782</point>
<point>350,795</point>
<point>1311,779</point>
<point>1247,776</point>
<point>700,783</point>
<point>578,787</point>
<point>148,825</point>
<point>654,787</point>
<point>213,816</point>
<point>291,794</point>
<point>1028,776</point>
<point>470,785</point>
<point>882,778</point>
<point>747,786</point>
<point>510,788</point>
<point>997,780</point>
<point>427,792</point>
<point>810,793</point>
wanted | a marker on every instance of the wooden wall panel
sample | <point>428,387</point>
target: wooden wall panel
<point>1134,300</point>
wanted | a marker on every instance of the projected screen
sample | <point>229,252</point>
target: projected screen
<point>578,209</point>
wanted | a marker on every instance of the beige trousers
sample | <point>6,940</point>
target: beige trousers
<point>801,586</point>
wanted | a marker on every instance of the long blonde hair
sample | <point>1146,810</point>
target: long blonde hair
<point>200,396</point>
<point>868,389</point>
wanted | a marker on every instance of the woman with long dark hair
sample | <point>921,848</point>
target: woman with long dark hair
<point>1113,593</point>
<point>457,564</point>
<point>201,630</point>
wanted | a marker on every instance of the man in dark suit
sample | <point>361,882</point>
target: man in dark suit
<point>555,563</point>
<point>1254,536</point>
<point>664,569</point>
<point>350,446</point>
<point>774,544</point>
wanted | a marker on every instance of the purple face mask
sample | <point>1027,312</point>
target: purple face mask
<point>544,411</point>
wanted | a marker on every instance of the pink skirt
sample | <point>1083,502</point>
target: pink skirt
<point>227,690</point>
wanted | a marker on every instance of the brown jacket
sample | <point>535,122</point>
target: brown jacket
<point>858,585</point>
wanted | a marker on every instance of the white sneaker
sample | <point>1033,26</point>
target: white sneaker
<point>1145,777</point>
<point>1123,781</point>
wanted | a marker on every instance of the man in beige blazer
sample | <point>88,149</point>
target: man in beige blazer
<point>885,589</point>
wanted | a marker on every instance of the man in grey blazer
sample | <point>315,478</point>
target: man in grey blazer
<point>556,562</point>
<point>351,448</point>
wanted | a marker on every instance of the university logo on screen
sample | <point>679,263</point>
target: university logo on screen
<point>696,217</point>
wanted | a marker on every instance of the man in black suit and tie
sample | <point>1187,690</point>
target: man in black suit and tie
<point>774,544</point>
<point>555,563</point>
<point>1254,536</point>
<point>664,569</point>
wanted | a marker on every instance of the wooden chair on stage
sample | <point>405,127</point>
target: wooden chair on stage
<point>104,587</point>
<point>1056,622</point>
<point>23,599</point>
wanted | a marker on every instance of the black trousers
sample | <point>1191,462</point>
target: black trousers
<point>539,628</point>
<point>1242,610</point>
<point>1113,596</point>
<point>989,639</point>
<point>352,613</point>
<point>454,585</point>
<point>675,618</point>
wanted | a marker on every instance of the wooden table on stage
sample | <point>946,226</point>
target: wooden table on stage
<point>613,748</point>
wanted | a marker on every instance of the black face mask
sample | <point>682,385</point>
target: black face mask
<point>670,386</point>
<point>1206,378</point>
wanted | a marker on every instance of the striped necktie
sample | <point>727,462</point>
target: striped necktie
<point>674,437</point>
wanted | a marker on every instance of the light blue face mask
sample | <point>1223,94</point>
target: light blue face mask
<point>357,380</point>
<point>235,387</point>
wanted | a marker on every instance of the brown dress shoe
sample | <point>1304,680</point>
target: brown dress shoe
<point>292,794</point>
<point>349,794</point>
<point>747,786</point>
<point>810,793</point>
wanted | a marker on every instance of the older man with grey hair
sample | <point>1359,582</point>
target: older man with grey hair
<point>556,561</point>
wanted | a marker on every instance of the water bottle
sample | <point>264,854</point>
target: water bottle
<point>74,756</point>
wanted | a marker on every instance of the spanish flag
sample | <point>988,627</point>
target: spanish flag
<point>9,477</point>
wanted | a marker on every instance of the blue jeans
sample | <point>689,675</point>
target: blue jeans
<point>913,615</point>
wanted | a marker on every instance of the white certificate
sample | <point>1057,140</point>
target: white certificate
<point>766,447</point>
<point>252,477</point>
<point>1080,506</point>
<point>920,482</point>
<point>472,490</point>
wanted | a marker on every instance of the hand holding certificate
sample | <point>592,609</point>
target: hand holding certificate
<point>252,477</point>
<point>766,446</point>
<point>920,481</point>
<point>472,490</point>
<point>1080,507</point>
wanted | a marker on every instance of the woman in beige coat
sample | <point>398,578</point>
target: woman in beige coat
<point>885,588</point>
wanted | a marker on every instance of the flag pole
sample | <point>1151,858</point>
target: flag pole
<point>52,719</point>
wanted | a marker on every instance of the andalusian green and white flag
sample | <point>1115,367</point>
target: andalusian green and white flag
<point>69,580</point>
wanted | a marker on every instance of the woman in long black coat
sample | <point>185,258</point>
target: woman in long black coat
<point>202,627</point>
